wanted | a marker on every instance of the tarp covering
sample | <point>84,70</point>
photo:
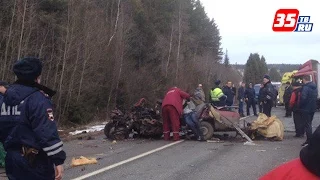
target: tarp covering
<point>2,155</point>
<point>270,127</point>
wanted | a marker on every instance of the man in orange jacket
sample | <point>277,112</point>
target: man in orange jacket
<point>171,112</point>
<point>307,167</point>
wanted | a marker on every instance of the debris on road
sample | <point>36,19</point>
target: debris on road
<point>91,129</point>
<point>249,143</point>
<point>83,161</point>
<point>114,142</point>
<point>268,127</point>
<point>261,150</point>
<point>214,141</point>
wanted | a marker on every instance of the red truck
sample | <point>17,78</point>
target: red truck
<point>311,68</point>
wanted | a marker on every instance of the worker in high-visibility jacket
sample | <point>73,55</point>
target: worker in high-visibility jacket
<point>217,97</point>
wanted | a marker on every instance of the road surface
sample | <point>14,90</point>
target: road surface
<point>186,160</point>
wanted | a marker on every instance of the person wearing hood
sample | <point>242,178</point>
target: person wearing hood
<point>267,95</point>
<point>217,98</point>
<point>199,96</point>
<point>172,107</point>
<point>307,167</point>
<point>34,149</point>
<point>308,104</point>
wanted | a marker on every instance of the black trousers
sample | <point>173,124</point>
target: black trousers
<point>267,106</point>
<point>307,119</point>
<point>288,110</point>
<point>251,103</point>
<point>299,123</point>
<point>260,107</point>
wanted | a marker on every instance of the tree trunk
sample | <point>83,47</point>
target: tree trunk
<point>22,28</point>
<point>8,41</point>
<point>179,44</point>
<point>170,49</point>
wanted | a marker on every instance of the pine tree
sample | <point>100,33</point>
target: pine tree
<point>275,75</point>
<point>226,59</point>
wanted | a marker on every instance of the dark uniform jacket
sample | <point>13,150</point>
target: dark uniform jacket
<point>27,120</point>
<point>267,93</point>
<point>229,93</point>
<point>250,94</point>
<point>241,91</point>
<point>309,94</point>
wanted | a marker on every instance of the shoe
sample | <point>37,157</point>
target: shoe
<point>305,144</point>
<point>242,115</point>
<point>256,115</point>
<point>201,139</point>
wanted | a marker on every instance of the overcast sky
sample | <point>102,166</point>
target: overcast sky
<point>246,26</point>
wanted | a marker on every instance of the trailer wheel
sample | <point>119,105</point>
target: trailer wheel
<point>207,129</point>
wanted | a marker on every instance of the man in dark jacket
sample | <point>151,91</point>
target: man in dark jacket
<point>250,99</point>
<point>267,95</point>
<point>286,99</point>
<point>241,91</point>
<point>227,90</point>
<point>306,167</point>
<point>308,104</point>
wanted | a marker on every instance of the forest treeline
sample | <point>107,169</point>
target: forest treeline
<point>99,53</point>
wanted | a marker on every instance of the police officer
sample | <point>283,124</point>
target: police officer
<point>217,97</point>
<point>267,95</point>
<point>250,99</point>
<point>34,149</point>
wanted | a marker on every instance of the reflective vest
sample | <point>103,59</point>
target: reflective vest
<point>216,94</point>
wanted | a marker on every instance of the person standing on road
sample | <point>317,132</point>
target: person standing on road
<point>307,167</point>
<point>227,90</point>
<point>267,95</point>
<point>199,96</point>
<point>241,97</point>
<point>171,112</point>
<point>217,98</point>
<point>294,107</point>
<point>286,99</point>
<point>250,96</point>
<point>260,102</point>
<point>308,104</point>
<point>34,149</point>
<point>275,98</point>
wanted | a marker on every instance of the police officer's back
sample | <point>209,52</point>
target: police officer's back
<point>34,134</point>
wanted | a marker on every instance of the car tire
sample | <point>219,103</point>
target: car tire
<point>207,130</point>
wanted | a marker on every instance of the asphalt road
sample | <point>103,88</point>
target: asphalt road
<point>187,160</point>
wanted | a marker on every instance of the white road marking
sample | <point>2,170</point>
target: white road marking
<point>126,161</point>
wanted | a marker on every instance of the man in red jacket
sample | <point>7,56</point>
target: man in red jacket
<point>171,112</point>
<point>307,167</point>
